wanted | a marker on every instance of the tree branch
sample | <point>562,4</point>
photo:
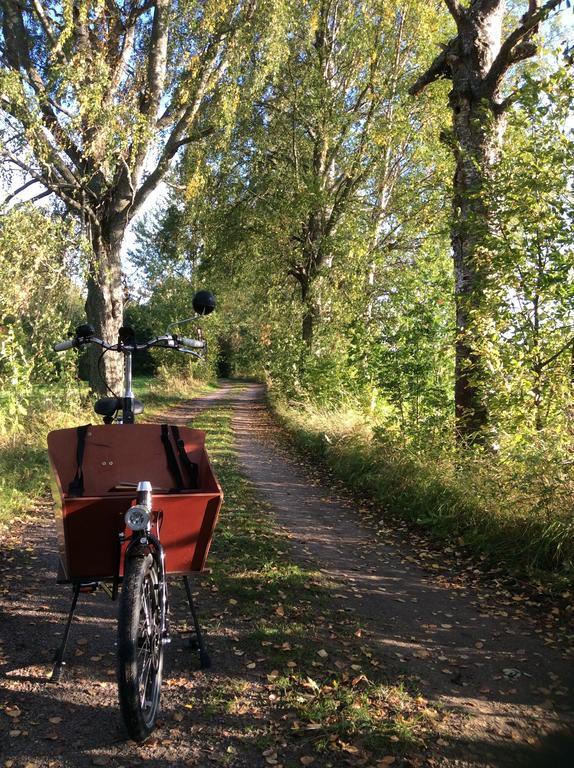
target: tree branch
<point>157,60</point>
<point>517,47</point>
<point>197,136</point>
<point>39,196</point>
<point>439,68</point>
<point>556,355</point>
<point>123,57</point>
<point>44,21</point>
<point>456,10</point>
<point>16,192</point>
<point>45,179</point>
<point>18,51</point>
<point>177,134</point>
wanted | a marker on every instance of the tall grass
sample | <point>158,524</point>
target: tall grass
<point>516,508</point>
<point>24,480</point>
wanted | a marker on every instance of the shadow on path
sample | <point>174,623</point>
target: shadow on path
<point>510,692</point>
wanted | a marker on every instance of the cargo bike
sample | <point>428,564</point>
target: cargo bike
<point>134,504</point>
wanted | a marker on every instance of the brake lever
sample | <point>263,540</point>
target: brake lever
<point>190,352</point>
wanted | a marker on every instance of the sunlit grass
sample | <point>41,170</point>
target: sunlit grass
<point>515,510</point>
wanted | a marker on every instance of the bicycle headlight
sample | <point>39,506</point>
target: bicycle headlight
<point>137,518</point>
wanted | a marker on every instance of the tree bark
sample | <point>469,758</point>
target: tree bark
<point>310,309</point>
<point>104,308</point>
<point>477,131</point>
<point>478,127</point>
<point>311,316</point>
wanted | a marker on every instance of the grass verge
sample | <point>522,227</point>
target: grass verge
<point>330,700</point>
<point>516,513</point>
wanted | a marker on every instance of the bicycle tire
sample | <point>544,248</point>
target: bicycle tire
<point>140,647</point>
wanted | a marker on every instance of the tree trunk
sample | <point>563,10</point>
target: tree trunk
<point>104,309</point>
<point>478,126</point>
<point>310,310</point>
<point>308,325</point>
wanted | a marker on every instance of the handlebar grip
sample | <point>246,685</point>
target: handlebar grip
<point>62,346</point>
<point>193,343</point>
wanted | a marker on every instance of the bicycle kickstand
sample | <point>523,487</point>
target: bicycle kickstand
<point>204,660</point>
<point>59,657</point>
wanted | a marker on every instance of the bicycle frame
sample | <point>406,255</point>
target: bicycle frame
<point>128,416</point>
<point>146,541</point>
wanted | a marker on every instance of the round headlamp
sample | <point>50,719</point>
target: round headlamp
<point>137,518</point>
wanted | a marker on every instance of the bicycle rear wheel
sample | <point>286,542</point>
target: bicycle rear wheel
<point>140,647</point>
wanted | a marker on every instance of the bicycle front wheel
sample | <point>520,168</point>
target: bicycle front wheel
<point>140,647</point>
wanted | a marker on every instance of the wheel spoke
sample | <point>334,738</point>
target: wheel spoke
<point>140,636</point>
<point>144,682</point>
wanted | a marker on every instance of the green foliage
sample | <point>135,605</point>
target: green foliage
<point>328,184</point>
<point>23,457</point>
<point>531,249</point>
<point>171,300</point>
<point>39,304</point>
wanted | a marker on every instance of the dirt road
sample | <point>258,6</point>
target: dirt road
<point>483,653</point>
<point>490,654</point>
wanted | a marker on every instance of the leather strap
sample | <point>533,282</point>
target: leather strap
<point>76,487</point>
<point>171,459</point>
<point>191,467</point>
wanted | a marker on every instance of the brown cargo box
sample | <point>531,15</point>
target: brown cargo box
<point>88,526</point>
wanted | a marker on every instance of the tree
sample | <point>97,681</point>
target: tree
<point>314,166</point>
<point>327,178</point>
<point>337,128</point>
<point>477,60</point>
<point>97,100</point>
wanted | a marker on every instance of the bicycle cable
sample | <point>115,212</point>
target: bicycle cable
<point>101,374</point>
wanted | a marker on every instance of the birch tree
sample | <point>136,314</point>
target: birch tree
<point>330,140</point>
<point>97,99</point>
<point>477,59</point>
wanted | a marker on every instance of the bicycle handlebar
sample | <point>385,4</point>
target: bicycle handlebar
<point>178,343</point>
<point>193,343</point>
<point>62,346</point>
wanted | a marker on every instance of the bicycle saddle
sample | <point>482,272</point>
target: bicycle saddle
<point>107,406</point>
